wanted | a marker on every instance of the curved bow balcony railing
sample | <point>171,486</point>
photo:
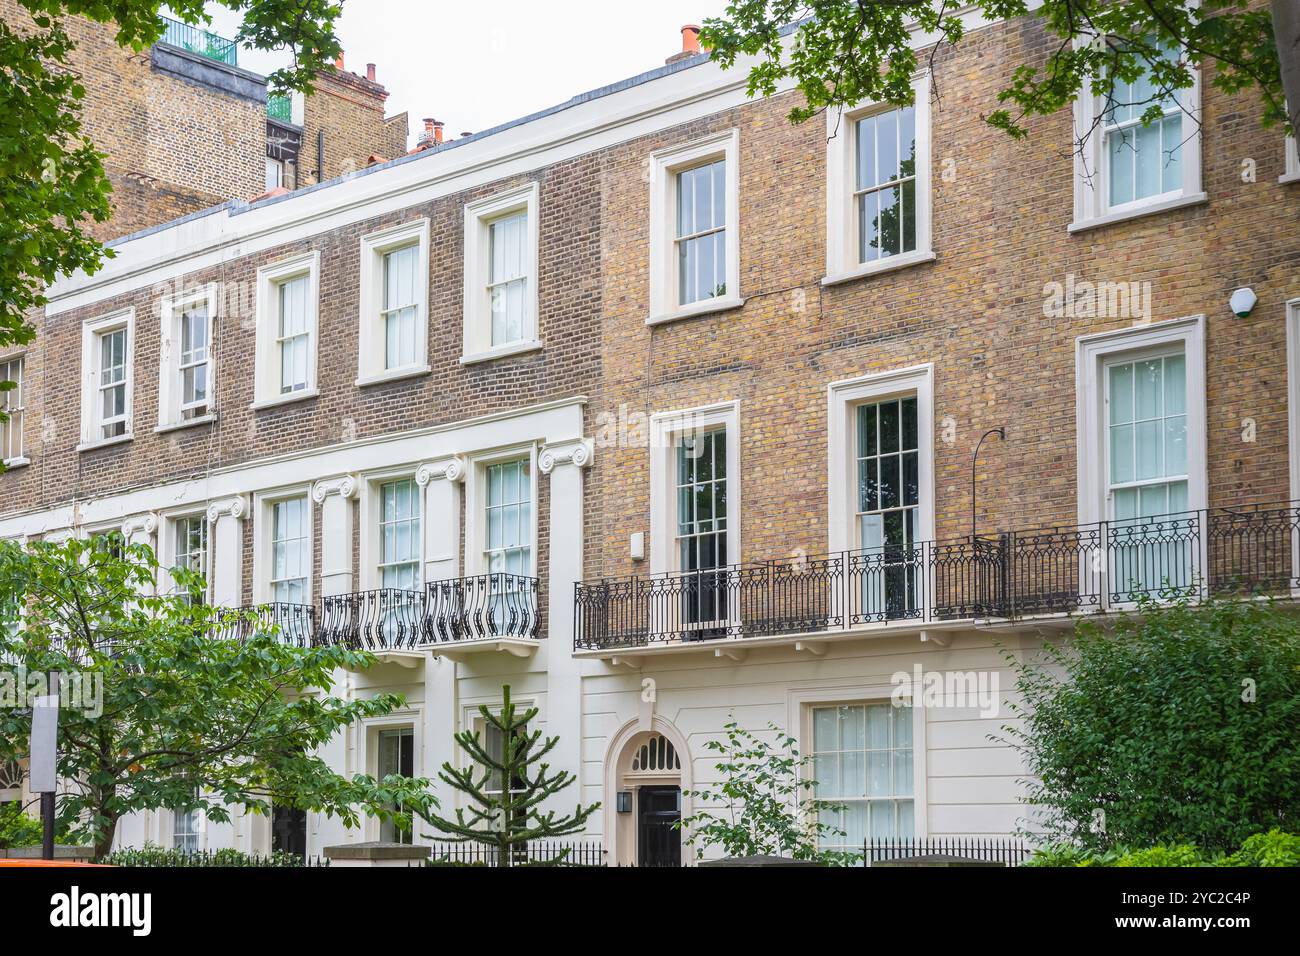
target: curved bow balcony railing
<point>383,619</point>
<point>481,607</point>
<point>1103,566</point>
<point>292,624</point>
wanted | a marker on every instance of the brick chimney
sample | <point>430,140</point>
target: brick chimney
<point>432,131</point>
<point>338,62</point>
<point>690,43</point>
<point>370,72</point>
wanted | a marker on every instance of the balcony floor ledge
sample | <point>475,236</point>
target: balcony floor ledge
<point>461,650</point>
<point>810,641</point>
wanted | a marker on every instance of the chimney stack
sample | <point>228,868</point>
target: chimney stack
<point>370,72</point>
<point>690,43</point>
<point>432,131</point>
<point>338,62</point>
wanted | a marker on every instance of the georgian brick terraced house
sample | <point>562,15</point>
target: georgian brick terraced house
<point>663,411</point>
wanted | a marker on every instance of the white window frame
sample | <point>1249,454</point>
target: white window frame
<point>1291,173</point>
<point>411,718</point>
<point>198,820</point>
<point>167,550</point>
<point>799,707</point>
<point>17,419</point>
<point>276,166</point>
<point>1092,354</point>
<point>843,399</point>
<point>169,386</point>
<point>1293,392</point>
<point>665,164</point>
<point>370,335</point>
<point>371,543</point>
<point>264,503</point>
<point>267,368</point>
<point>91,330</point>
<point>666,429</point>
<point>476,505</point>
<point>1091,184</point>
<point>842,261</point>
<point>479,217</point>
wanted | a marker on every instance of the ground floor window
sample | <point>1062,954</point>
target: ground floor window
<point>862,762</point>
<point>185,830</point>
<point>396,758</point>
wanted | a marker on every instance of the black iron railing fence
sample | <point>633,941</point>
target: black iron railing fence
<point>1006,851</point>
<point>292,624</point>
<point>1096,567</point>
<point>479,607</point>
<point>533,853</point>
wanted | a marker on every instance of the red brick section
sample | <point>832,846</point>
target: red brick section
<point>976,313</point>
<point>349,110</point>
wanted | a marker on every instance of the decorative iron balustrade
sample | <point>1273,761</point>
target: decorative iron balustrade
<point>1103,566</point>
<point>1004,851</point>
<point>481,607</point>
<point>279,108</point>
<point>292,624</point>
<point>200,41</point>
<point>383,619</point>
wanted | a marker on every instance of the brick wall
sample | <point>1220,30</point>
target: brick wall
<point>349,110</point>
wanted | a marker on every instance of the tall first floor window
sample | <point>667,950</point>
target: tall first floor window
<point>509,518</point>
<point>888,508</point>
<point>112,383</point>
<point>293,337</point>
<point>508,281</point>
<point>399,535</point>
<point>191,545</point>
<point>400,305</point>
<point>701,234</point>
<point>884,189</point>
<point>290,551</point>
<point>193,367</point>
<point>862,762</point>
<point>1141,161</point>
<point>11,405</point>
<point>702,526</point>
<point>396,758</point>
<point>1146,444</point>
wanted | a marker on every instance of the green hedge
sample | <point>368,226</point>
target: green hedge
<point>1274,848</point>
<point>158,856</point>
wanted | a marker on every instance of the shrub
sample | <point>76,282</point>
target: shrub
<point>1177,726</point>
<point>18,828</point>
<point>1274,848</point>
<point>160,856</point>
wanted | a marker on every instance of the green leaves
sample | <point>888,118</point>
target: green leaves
<point>1177,726</point>
<point>189,717</point>
<point>847,52</point>
<point>53,187</point>
<point>763,803</point>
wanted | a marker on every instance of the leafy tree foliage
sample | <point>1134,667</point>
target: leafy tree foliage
<point>846,52</point>
<point>1178,726</point>
<point>52,181</point>
<point>191,717</point>
<point>763,804</point>
<point>506,788</point>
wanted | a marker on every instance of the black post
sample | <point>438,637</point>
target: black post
<point>1001,432</point>
<point>47,815</point>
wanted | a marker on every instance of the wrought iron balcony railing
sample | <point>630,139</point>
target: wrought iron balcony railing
<point>1018,574</point>
<point>293,624</point>
<point>383,619</point>
<point>481,607</point>
<point>200,41</point>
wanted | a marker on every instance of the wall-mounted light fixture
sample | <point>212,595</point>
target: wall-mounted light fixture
<point>624,801</point>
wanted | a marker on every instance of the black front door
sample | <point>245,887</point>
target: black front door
<point>289,830</point>
<point>659,843</point>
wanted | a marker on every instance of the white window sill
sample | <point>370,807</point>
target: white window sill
<point>186,423</point>
<point>1149,209</point>
<point>287,398</point>
<point>105,442</point>
<point>1289,177</point>
<point>502,351</point>
<point>881,265</point>
<point>393,375</point>
<point>22,461</point>
<point>703,307</point>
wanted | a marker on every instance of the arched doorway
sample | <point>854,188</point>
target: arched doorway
<point>644,785</point>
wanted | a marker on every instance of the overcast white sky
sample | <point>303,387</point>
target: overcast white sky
<point>479,64</point>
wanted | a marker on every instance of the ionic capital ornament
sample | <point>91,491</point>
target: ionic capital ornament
<point>449,469</point>
<point>345,486</point>
<point>577,453</point>
<point>236,507</point>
